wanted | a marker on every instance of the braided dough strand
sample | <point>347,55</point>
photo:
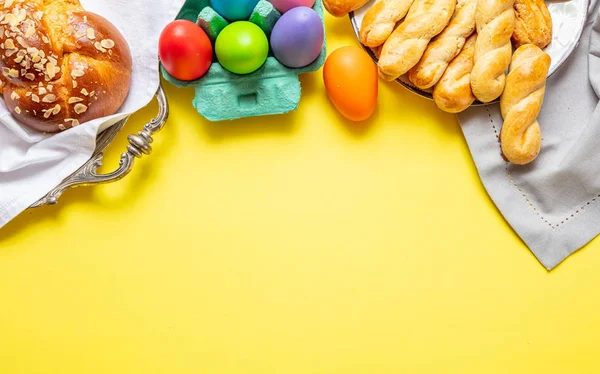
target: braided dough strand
<point>495,20</point>
<point>521,103</point>
<point>405,47</point>
<point>453,93</point>
<point>380,20</point>
<point>445,47</point>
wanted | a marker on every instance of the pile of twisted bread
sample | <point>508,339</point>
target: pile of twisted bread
<point>462,50</point>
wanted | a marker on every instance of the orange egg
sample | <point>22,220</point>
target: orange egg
<point>351,81</point>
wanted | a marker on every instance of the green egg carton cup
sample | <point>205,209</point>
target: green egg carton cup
<point>221,95</point>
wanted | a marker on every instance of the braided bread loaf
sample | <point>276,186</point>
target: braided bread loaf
<point>380,20</point>
<point>444,47</point>
<point>61,66</point>
<point>453,93</point>
<point>521,102</point>
<point>495,20</point>
<point>405,47</point>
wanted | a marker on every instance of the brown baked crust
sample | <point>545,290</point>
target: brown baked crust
<point>453,92</point>
<point>61,65</point>
<point>521,103</point>
<point>381,19</point>
<point>495,22</point>
<point>405,47</point>
<point>533,24</point>
<point>340,8</point>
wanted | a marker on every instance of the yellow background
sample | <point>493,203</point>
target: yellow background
<point>296,244</point>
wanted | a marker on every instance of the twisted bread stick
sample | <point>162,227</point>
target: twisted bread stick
<point>495,20</point>
<point>380,20</point>
<point>453,93</point>
<point>405,47</point>
<point>521,102</point>
<point>444,47</point>
<point>340,8</point>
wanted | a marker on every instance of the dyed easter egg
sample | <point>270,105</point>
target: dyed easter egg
<point>351,81</point>
<point>297,38</point>
<point>234,10</point>
<point>185,50</point>
<point>242,47</point>
<point>284,5</point>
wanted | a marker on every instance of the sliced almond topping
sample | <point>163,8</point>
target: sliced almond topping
<point>91,35</point>
<point>22,42</point>
<point>80,108</point>
<point>73,121</point>
<point>10,52</point>
<point>45,39</point>
<point>42,91</point>
<point>50,87</point>
<point>11,19</point>
<point>14,96</point>
<point>73,100</point>
<point>18,110</point>
<point>50,98</point>
<point>61,127</point>
<point>84,92</point>
<point>5,71</point>
<point>22,15</point>
<point>30,76</point>
<point>77,73</point>
<point>19,59</point>
<point>107,43</point>
<point>57,109</point>
<point>14,73</point>
<point>99,47</point>
<point>9,44</point>
<point>51,70</point>
<point>74,84</point>
<point>35,98</point>
<point>47,113</point>
<point>30,31</point>
<point>38,15</point>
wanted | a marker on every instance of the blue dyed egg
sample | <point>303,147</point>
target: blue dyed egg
<point>234,10</point>
<point>297,38</point>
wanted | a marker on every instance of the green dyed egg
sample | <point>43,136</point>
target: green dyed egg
<point>242,47</point>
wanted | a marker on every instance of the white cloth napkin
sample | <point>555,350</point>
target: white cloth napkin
<point>32,164</point>
<point>554,203</point>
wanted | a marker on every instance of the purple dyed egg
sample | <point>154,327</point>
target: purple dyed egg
<point>285,5</point>
<point>297,38</point>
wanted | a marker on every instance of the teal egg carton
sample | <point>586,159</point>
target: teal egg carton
<point>221,95</point>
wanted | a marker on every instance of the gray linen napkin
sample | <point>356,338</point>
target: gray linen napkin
<point>554,203</point>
